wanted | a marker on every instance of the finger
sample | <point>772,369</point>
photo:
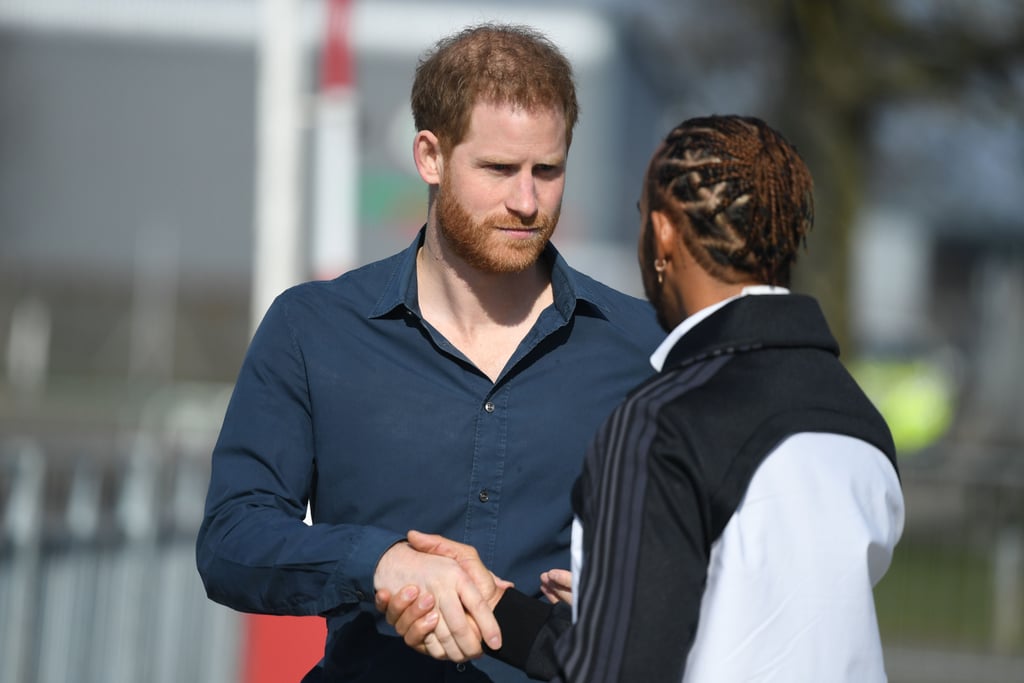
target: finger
<point>381,599</point>
<point>439,545</point>
<point>433,647</point>
<point>501,583</point>
<point>481,576</point>
<point>452,650</point>
<point>559,577</point>
<point>484,626</point>
<point>413,613</point>
<point>460,638</point>
<point>416,632</point>
<point>557,595</point>
<point>395,606</point>
<point>556,585</point>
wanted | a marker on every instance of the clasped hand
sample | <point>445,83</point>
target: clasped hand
<point>439,596</point>
<point>445,606</point>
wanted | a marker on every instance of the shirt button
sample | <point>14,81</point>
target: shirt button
<point>484,496</point>
<point>460,667</point>
<point>361,596</point>
<point>489,407</point>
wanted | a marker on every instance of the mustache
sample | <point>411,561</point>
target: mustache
<point>540,221</point>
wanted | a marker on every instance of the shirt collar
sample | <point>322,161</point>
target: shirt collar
<point>568,286</point>
<point>661,353</point>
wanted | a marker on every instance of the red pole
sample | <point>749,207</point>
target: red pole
<point>336,60</point>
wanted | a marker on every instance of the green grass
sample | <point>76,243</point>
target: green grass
<point>938,596</point>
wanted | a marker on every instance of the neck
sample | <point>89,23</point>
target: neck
<point>485,315</point>
<point>699,289</point>
<point>464,296</point>
<point>710,292</point>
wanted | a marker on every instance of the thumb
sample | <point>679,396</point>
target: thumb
<point>439,545</point>
<point>503,584</point>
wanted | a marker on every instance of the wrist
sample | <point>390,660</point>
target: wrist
<point>386,565</point>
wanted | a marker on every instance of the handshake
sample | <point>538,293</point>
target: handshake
<point>440,597</point>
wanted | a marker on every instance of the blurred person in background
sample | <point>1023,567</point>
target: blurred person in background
<point>736,510</point>
<point>451,387</point>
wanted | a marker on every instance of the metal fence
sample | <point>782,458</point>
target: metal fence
<point>951,606</point>
<point>97,569</point>
<point>98,580</point>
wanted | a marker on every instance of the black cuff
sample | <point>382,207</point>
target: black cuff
<point>529,630</point>
<point>520,618</point>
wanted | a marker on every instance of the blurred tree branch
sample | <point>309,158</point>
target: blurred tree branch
<point>846,60</point>
<point>824,72</point>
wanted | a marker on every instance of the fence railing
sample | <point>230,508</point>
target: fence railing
<point>97,570</point>
<point>98,581</point>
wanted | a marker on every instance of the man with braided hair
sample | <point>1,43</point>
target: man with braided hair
<point>736,510</point>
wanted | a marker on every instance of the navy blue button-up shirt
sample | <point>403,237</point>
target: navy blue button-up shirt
<point>349,400</point>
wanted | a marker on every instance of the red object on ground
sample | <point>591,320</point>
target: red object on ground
<point>281,649</point>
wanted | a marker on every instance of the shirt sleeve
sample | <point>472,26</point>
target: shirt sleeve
<point>784,594</point>
<point>254,551</point>
<point>789,593</point>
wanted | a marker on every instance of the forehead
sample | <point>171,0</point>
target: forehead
<point>511,129</point>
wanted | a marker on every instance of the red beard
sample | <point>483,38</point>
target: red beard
<point>482,245</point>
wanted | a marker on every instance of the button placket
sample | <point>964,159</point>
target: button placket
<point>484,496</point>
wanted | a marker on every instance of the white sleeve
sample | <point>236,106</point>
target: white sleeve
<point>789,590</point>
<point>576,554</point>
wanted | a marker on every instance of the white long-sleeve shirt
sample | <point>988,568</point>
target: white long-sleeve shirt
<point>788,596</point>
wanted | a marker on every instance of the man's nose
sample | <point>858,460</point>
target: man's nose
<point>522,199</point>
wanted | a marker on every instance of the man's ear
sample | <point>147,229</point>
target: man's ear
<point>666,237</point>
<point>426,152</point>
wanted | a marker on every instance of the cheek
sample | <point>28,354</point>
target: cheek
<point>474,197</point>
<point>644,249</point>
<point>550,195</point>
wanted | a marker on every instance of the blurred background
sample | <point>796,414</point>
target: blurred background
<point>168,166</point>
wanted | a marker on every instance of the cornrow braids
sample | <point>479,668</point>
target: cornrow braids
<point>746,191</point>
